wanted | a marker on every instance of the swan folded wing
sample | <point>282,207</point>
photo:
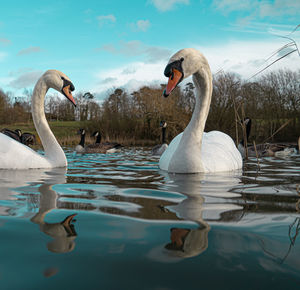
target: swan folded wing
<point>219,153</point>
<point>166,157</point>
<point>14,155</point>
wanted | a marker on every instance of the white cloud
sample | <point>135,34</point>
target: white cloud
<point>137,48</point>
<point>131,76</point>
<point>5,41</point>
<point>279,7</point>
<point>29,50</point>
<point>103,19</point>
<point>2,55</point>
<point>164,5</point>
<point>247,58</point>
<point>141,25</point>
<point>258,8</point>
<point>242,57</point>
<point>25,80</point>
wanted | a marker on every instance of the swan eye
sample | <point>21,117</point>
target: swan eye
<point>182,59</point>
<point>172,75</point>
<point>68,83</point>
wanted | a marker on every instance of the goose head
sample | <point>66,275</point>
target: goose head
<point>163,124</point>
<point>181,65</point>
<point>19,132</point>
<point>247,122</point>
<point>95,134</point>
<point>59,81</point>
<point>81,132</point>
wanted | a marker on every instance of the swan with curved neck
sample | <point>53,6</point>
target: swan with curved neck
<point>193,150</point>
<point>14,155</point>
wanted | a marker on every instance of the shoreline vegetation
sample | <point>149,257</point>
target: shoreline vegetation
<point>271,101</point>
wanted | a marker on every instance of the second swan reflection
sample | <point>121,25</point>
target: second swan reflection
<point>191,242</point>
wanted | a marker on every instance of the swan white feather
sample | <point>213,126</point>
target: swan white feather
<point>193,150</point>
<point>14,155</point>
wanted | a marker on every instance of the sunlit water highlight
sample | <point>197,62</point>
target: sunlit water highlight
<point>140,228</point>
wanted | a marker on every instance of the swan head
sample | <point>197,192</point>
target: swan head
<point>181,65</point>
<point>59,81</point>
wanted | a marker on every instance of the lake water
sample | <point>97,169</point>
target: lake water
<point>140,228</point>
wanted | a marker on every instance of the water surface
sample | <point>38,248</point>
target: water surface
<point>117,222</point>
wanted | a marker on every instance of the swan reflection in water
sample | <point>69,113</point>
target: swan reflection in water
<point>63,233</point>
<point>207,199</point>
<point>186,243</point>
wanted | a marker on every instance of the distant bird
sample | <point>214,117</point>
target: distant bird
<point>24,138</point>
<point>80,147</point>
<point>16,134</point>
<point>159,149</point>
<point>193,150</point>
<point>265,149</point>
<point>28,139</point>
<point>13,154</point>
<point>97,147</point>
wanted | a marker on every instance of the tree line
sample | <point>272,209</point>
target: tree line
<point>271,101</point>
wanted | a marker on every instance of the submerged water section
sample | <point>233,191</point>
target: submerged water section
<point>118,222</point>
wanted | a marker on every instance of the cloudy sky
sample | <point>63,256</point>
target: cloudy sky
<point>103,44</point>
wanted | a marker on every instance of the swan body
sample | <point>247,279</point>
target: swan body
<point>14,155</point>
<point>194,151</point>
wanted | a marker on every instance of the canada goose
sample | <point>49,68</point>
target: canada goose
<point>16,134</point>
<point>264,149</point>
<point>96,147</point>
<point>24,138</point>
<point>159,149</point>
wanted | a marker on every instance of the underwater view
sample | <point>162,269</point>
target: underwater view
<point>115,221</point>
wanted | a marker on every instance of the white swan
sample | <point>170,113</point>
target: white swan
<point>193,150</point>
<point>14,155</point>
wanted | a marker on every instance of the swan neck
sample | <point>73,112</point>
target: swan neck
<point>203,84</point>
<point>53,151</point>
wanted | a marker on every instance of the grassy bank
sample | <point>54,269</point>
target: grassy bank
<point>66,133</point>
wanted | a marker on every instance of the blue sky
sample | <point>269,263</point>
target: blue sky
<point>104,44</point>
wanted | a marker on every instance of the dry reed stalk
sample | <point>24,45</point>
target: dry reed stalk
<point>244,133</point>
<point>298,191</point>
<point>237,120</point>
<point>280,128</point>
<point>256,153</point>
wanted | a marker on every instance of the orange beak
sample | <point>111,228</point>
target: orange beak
<point>174,79</point>
<point>67,92</point>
